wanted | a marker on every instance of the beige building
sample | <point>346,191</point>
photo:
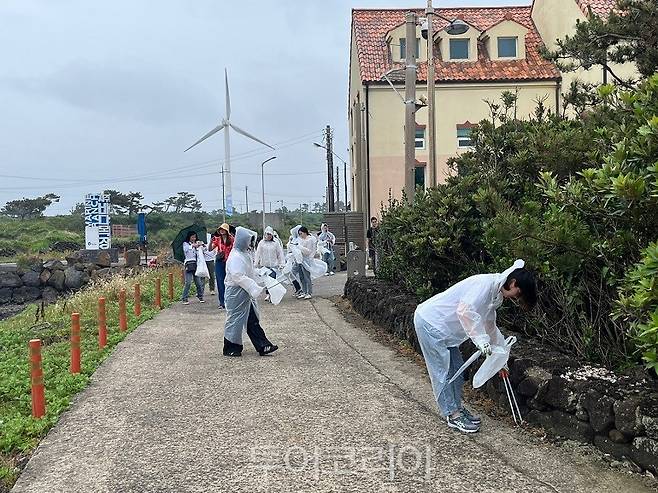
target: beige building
<point>499,52</point>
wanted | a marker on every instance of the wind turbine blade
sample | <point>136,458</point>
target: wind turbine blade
<point>247,134</point>
<point>209,134</point>
<point>228,97</point>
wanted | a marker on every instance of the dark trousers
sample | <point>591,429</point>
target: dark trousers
<point>220,274</point>
<point>255,333</point>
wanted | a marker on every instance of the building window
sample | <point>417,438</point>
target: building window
<point>459,49</point>
<point>420,138</point>
<point>419,177</point>
<point>403,48</point>
<point>507,47</point>
<point>464,137</point>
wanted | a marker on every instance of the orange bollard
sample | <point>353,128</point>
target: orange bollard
<point>138,300</point>
<point>36,379</point>
<point>75,343</point>
<point>170,279</point>
<point>158,293</point>
<point>102,324</point>
<point>123,322</point>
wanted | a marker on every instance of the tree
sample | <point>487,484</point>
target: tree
<point>183,201</point>
<point>628,34</point>
<point>134,202</point>
<point>28,208</point>
<point>119,202</point>
<point>78,209</point>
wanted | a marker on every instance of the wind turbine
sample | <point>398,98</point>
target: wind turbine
<point>225,125</point>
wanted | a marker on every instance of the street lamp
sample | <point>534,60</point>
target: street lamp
<point>344,168</point>
<point>262,184</point>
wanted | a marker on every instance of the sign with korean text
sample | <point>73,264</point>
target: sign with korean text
<point>97,222</point>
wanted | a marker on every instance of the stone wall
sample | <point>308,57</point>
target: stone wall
<point>48,280</point>
<point>618,413</point>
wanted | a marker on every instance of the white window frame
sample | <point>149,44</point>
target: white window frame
<point>516,47</point>
<point>460,139</point>
<point>419,139</point>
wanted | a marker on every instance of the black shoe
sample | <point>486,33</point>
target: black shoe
<point>233,354</point>
<point>268,349</point>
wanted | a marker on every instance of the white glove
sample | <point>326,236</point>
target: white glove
<point>485,348</point>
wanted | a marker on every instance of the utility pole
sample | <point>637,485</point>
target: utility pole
<point>345,181</point>
<point>330,171</point>
<point>223,197</point>
<point>246,197</point>
<point>410,107</point>
<point>431,130</point>
<point>337,189</point>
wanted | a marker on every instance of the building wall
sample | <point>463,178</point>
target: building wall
<point>553,26</point>
<point>455,104</point>
<point>356,134</point>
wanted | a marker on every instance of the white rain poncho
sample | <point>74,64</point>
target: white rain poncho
<point>201,267</point>
<point>294,254</point>
<point>468,309</point>
<point>242,286</point>
<point>308,248</point>
<point>269,253</point>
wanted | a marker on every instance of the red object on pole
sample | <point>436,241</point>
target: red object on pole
<point>102,324</point>
<point>138,300</point>
<point>75,343</point>
<point>170,279</point>
<point>123,322</point>
<point>36,379</point>
<point>158,293</point>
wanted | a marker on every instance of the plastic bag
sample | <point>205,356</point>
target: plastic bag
<point>201,267</point>
<point>493,363</point>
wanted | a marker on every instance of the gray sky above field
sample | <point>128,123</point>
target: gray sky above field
<point>98,95</point>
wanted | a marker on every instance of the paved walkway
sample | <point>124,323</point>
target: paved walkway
<point>331,411</point>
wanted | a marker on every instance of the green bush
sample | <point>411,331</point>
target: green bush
<point>577,199</point>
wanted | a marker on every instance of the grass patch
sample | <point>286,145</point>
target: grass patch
<point>19,432</point>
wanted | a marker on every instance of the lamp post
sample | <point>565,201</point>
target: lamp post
<point>344,168</point>
<point>262,184</point>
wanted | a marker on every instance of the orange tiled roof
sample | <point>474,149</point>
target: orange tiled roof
<point>371,26</point>
<point>599,7</point>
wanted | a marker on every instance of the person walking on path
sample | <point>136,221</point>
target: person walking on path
<point>307,245</point>
<point>190,247</point>
<point>293,259</point>
<point>242,290</point>
<point>222,243</point>
<point>209,254</point>
<point>371,235</point>
<point>466,310</point>
<point>329,240</point>
<point>269,254</point>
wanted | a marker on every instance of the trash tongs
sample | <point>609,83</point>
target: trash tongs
<point>511,398</point>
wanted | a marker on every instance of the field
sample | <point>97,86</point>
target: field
<point>19,432</point>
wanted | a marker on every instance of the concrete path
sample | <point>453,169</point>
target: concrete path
<point>331,411</point>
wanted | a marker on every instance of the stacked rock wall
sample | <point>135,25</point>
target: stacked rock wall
<point>618,413</point>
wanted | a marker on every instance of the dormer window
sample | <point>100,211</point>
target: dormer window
<point>459,49</point>
<point>403,48</point>
<point>507,47</point>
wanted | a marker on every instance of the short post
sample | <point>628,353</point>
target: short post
<point>75,343</point>
<point>123,321</point>
<point>170,280</point>
<point>138,300</point>
<point>102,323</point>
<point>158,293</point>
<point>36,379</point>
<point>182,275</point>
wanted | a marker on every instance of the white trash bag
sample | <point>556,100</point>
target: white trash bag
<point>201,267</point>
<point>493,363</point>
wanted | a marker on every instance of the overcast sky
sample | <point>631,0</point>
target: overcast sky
<point>107,95</point>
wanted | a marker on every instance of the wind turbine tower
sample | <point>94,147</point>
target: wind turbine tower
<point>226,124</point>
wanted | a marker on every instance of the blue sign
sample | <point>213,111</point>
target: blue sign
<point>141,227</point>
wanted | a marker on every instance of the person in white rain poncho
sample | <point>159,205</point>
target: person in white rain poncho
<point>309,268</point>
<point>466,310</point>
<point>242,290</point>
<point>269,254</point>
<point>328,240</point>
<point>293,257</point>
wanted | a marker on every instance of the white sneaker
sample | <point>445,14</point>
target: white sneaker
<point>327,274</point>
<point>267,297</point>
<point>301,296</point>
<point>331,273</point>
<point>202,301</point>
<point>308,297</point>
